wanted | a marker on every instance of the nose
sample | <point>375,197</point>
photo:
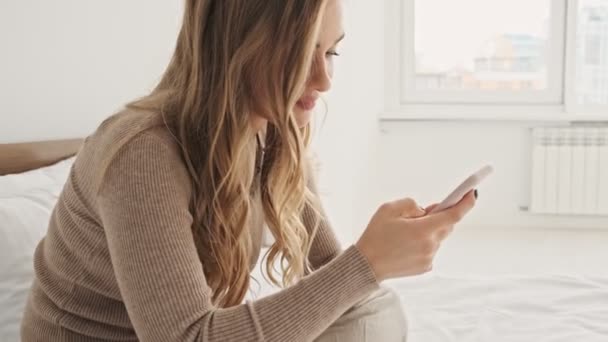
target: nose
<point>320,75</point>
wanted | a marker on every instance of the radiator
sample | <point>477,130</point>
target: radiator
<point>569,171</point>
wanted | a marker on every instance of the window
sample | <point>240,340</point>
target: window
<point>549,54</point>
<point>510,48</point>
<point>592,53</point>
<point>483,51</point>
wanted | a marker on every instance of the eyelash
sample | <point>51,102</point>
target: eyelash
<point>333,53</point>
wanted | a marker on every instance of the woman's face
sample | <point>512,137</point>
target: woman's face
<point>319,80</point>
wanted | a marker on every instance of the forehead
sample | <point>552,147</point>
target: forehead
<point>332,25</point>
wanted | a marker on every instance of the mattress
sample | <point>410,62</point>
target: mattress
<point>505,308</point>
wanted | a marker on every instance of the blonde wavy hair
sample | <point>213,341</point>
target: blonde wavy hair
<point>234,58</point>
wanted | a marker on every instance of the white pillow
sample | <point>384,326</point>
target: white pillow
<point>53,175</point>
<point>26,202</point>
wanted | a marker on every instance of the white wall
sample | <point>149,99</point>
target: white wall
<point>346,139</point>
<point>67,64</point>
<point>366,163</point>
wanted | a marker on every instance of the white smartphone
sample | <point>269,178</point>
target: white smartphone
<point>463,189</point>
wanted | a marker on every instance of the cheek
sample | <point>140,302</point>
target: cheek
<point>330,69</point>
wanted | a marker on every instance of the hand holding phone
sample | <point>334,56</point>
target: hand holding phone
<point>467,185</point>
<point>397,246</point>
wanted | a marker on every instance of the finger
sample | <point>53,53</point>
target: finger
<point>431,207</point>
<point>449,216</point>
<point>407,207</point>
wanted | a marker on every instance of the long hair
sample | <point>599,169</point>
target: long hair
<point>234,58</point>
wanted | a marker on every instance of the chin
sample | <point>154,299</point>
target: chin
<point>303,116</point>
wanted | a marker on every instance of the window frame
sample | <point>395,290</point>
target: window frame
<point>557,103</point>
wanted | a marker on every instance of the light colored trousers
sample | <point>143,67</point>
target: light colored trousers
<point>378,318</point>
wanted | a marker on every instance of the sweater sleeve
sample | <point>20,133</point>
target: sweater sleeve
<point>143,205</point>
<point>325,246</point>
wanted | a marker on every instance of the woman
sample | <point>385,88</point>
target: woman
<point>160,222</point>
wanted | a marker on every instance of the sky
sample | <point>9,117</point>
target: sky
<point>451,32</point>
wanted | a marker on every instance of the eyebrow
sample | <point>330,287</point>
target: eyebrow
<point>337,40</point>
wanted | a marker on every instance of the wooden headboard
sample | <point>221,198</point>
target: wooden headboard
<point>15,158</point>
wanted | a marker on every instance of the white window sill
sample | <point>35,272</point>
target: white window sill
<point>545,114</point>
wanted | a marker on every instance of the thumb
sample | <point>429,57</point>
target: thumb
<point>450,215</point>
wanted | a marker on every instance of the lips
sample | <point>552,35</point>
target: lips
<point>307,102</point>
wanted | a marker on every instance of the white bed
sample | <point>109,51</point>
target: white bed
<point>439,308</point>
<point>499,309</point>
<point>506,308</point>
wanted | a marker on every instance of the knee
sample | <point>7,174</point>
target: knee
<point>379,317</point>
<point>386,299</point>
<point>389,319</point>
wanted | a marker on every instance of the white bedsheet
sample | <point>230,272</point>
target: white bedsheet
<point>465,308</point>
<point>506,308</point>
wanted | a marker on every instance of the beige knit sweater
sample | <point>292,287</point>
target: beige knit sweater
<point>121,264</point>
